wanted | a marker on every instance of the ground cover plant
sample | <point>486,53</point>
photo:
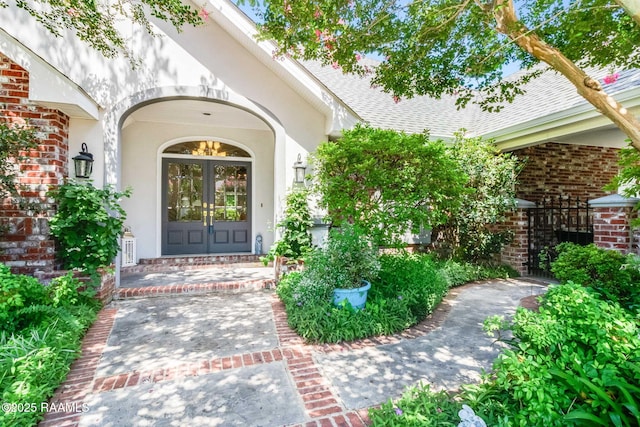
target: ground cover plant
<point>406,289</point>
<point>575,362</point>
<point>42,328</point>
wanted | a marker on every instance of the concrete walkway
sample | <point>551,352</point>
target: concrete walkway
<point>229,359</point>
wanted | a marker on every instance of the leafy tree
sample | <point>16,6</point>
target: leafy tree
<point>96,22</point>
<point>460,47</point>
<point>471,233</point>
<point>386,182</point>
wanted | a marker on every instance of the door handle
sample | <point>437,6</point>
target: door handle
<point>204,214</point>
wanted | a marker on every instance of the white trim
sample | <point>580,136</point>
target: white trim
<point>205,138</point>
<point>580,118</point>
<point>160,155</point>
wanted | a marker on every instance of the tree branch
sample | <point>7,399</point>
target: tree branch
<point>632,7</point>
<point>508,24</point>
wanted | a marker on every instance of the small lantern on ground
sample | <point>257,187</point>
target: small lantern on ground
<point>301,170</point>
<point>83,163</point>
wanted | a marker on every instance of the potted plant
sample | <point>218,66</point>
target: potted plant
<point>345,266</point>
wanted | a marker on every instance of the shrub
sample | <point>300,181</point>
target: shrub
<point>418,407</point>
<point>295,242</point>
<point>414,279</point>
<point>384,181</point>
<point>457,273</point>
<point>87,224</point>
<point>16,293</point>
<point>35,361</point>
<point>490,177</point>
<point>576,356</point>
<point>604,270</point>
<point>575,362</point>
<point>347,259</point>
<point>25,302</point>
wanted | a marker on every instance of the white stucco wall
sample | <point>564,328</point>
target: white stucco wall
<point>141,142</point>
<point>206,61</point>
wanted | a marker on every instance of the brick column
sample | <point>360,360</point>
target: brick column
<point>612,216</point>
<point>27,247</point>
<point>516,254</point>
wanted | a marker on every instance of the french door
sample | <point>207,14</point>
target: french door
<point>206,206</point>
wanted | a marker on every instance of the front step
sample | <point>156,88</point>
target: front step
<point>194,289</point>
<point>194,275</point>
<point>190,262</point>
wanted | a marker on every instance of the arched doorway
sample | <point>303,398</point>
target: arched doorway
<point>206,198</point>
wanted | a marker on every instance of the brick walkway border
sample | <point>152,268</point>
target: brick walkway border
<point>321,404</point>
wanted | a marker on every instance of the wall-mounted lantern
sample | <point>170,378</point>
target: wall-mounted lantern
<point>83,163</point>
<point>301,170</point>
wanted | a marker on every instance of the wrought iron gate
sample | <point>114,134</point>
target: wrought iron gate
<point>553,221</point>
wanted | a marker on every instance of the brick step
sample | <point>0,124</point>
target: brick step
<point>200,259</point>
<point>187,262</point>
<point>194,288</point>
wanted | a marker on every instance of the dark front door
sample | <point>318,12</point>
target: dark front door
<point>205,206</point>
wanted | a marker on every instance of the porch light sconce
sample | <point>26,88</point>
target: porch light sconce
<point>301,169</point>
<point>83,163</point>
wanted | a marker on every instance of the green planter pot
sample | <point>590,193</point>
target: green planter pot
<point>357,297</point>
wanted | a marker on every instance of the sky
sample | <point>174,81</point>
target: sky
<point>507,70</point>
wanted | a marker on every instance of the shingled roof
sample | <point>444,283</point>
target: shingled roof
<point>548,94</point>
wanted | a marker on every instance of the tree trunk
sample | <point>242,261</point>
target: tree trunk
<point>509,25</point>
<point>632,7</point>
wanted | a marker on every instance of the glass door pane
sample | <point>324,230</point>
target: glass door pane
<point>184,192</point>
<point>230,200</point>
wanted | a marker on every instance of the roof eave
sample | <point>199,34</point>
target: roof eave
<point>583,117</point>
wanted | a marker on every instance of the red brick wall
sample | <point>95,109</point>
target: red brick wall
<point>556,169</point>
<point>27,247</point>
<point>517,252</point>
<point>612,228</point>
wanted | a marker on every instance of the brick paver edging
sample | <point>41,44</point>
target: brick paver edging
<point>80,378</point>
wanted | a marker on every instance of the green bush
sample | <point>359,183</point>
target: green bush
<point>418,407</point>
<point>87,224</point>
<point>577,359</point>
<point>604,270</point>
<point>385,181</point>
<point>575,362</point>
<point>414,279</point>
<point>295,242</point>
<point>16,293</point>
<point>457,273</point>
<point>490,179</point>
<point>347,259</point>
